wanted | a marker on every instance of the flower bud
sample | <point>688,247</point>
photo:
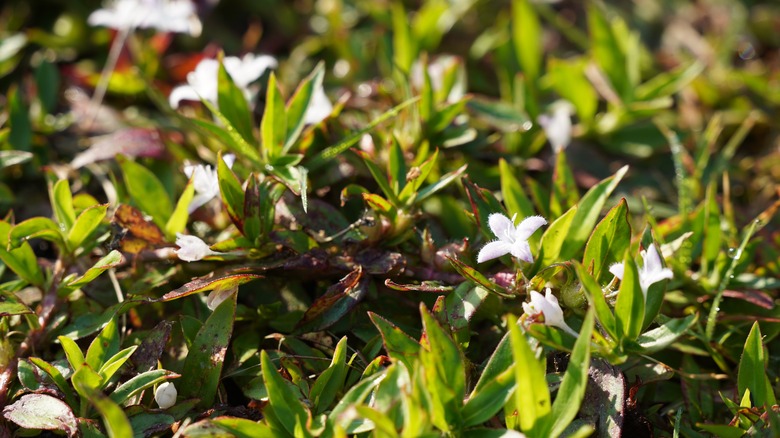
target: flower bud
<point>165,395</point>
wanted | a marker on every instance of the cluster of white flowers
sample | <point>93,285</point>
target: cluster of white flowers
<point>514,240</point>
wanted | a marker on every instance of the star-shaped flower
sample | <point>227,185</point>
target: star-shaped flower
<point>192,248</point>
<point>650,273</point>
<point>511,240</point>
<point>205,180</point>
<point>547,306</point>
<point>557,126</point>
<point>164,15</point>
<point>203,81</point>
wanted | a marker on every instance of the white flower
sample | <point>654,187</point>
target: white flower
<point>511,240</point>
<point>319,107</point>
<point>206,182</point>
<point>192,248</point>
<point>164,15</point>
<point>548,306</point>
<point>650,273</point>
<point>437,69</point>
<point>165,395</point>
<point>203,81</point>
<point>557,126</point>
<point>217,296</point>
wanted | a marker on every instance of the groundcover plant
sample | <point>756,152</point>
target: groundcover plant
<point>337,218</point>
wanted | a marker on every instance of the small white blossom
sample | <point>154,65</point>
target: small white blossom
<point>203,81</point>
<point>205,181</point>
<point>437,69</point>
<point>192,248</point>
<point>319,107</point>
<point>217,296</point>
<point>165,395</point>
<point>511,240</point>
<point>650,273</point>
<point>557,126</point>
<point>164,15</point>
<point>548,306</point>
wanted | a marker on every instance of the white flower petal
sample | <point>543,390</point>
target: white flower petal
<point>197,201</point>
<point>229,159</point>
<point>652,260</point>
<point>557,127</point>
<point>192,248</point>
<point>500,225</point>
<point>493,250</point>
<point>217,296</point>
<point>617,270</point>
<point>182,92</point>
<point>528,226</point>
<point>319,107</point>
<point>522,251</point>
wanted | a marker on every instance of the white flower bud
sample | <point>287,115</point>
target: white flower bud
<point>165,395</point>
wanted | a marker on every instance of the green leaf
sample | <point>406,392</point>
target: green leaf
<point>227,135</point>
<point>494,388</point>
<point>47,80</point>
<point>273,127</point>
<point>664,335</point>
<point>752,370</point>
<point>381,179</point>
<point>588,212</point>
<point>114,418</point>
<point>514,196</point>
<point>607,50</point>
<point>21,134</point>
<point>146,191</point>
<point>37,227</point>
<point>596,298</point>
<point>12,158</point>
<point>398,344</point>
<point>42,411</point>
<point>57,378</point>
<point>336,302</point>
<point>333,151</point>
<point>222,281</point>
<point>9,308</point>
<point>139,383</point>
<point>575,380</point>
<point>609,242</point>
<point>532,398</point>
<point>630,305</point>
<point>569,81</point>
<point>299,104</point>
<point>331,381</point>
<point>104,346</point>
<point>445,373</point>
<point>410,189</point>
<point>62,203</point>
<point>526,36</point>
<point>243,428</point>
<point>499,115</point>
<point>112,365</point>
<point>72,352</point>
<point>231,191</point>
<point>233,104</point>
<point>108,261</point>
<point>565,193</point>
<point>203,365</point>
<point>441,183</point>
<point>286,406</point>
<point>178,220</point>
<point>404,50</point>
<point>21,260</point>
<point>86,223</point>
<point>554,239</point>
